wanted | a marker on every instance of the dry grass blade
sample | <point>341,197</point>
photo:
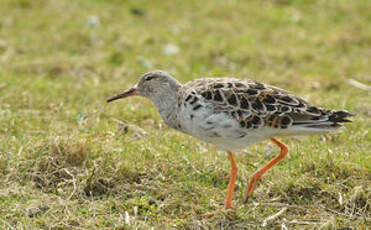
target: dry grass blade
<point>359,85</point>
<point>273,217</point>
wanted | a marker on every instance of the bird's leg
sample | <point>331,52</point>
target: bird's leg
<point>232,181</point>
<point>258,174</point>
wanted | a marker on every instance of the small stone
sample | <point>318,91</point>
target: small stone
<point>171,49</point>
<point>93,20</point>
<point>36,209</point>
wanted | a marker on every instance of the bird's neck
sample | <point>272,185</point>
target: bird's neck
<point>167,105</point>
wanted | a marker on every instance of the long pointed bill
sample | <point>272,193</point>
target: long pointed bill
<point>127,93</point>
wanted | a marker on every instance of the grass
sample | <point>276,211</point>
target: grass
<point>68,160</point>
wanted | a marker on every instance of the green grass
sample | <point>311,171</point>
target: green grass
<point>69,160</point>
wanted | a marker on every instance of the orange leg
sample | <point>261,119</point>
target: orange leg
<point>258,174</point>
<point>232,181</point>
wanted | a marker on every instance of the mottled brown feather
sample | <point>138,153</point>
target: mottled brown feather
<point>256,104</point>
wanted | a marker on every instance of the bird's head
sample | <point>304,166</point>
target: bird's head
<point>153,85</point>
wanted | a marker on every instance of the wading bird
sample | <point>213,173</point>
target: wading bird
<point>233,114</point>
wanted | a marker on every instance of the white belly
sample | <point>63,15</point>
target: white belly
<point>219,129</point>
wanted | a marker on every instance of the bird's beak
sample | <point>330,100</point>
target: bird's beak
<point>127,93</point>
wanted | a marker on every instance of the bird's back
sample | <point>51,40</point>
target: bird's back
<point>246,106</point>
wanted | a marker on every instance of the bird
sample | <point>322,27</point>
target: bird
<point>233,114</point>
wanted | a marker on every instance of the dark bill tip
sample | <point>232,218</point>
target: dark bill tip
<point>127,93</point>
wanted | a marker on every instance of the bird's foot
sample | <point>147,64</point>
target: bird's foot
<point>227,207</point>
<point>219,211</point>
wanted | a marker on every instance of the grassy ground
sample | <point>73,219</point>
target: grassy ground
<point>69,160</point>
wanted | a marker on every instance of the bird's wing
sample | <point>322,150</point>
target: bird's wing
<point>254,105</point>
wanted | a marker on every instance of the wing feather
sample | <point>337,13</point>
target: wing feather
<point>254,105</point>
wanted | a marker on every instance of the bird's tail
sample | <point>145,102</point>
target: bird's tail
<point>327,120</point>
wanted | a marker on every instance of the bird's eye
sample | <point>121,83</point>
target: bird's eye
<point>148,78</point>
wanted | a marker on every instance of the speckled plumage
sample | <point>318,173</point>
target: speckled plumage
<point>233,114</point>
